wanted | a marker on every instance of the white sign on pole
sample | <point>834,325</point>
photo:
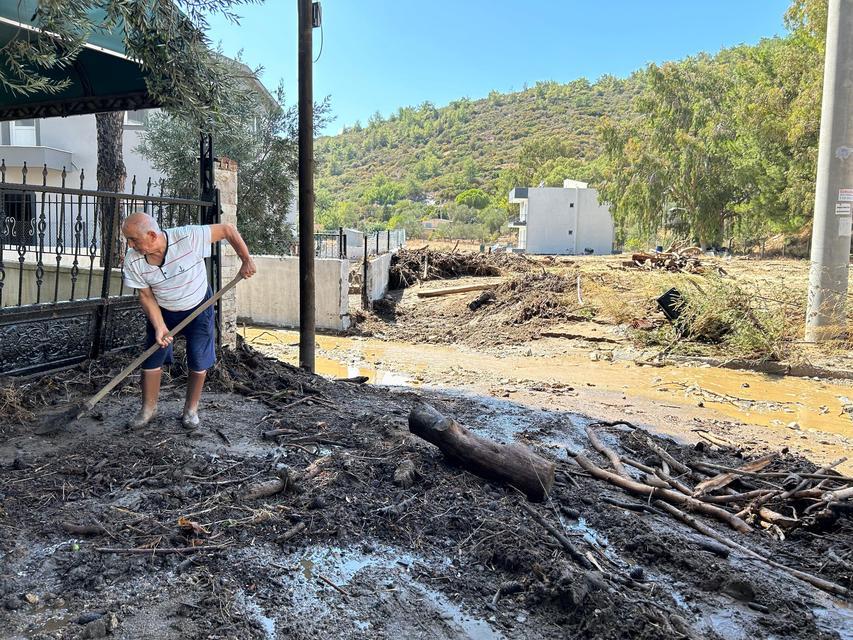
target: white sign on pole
<point>844,226</point>
<point>845,195</point>
<point>843,208</point>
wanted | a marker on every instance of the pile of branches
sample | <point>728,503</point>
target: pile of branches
<point>761,493</point>
<point>411,266</point>
<point>685,261</point>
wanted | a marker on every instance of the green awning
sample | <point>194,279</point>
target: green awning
<point>102,77</point>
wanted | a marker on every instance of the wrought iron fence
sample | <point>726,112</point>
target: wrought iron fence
<point>52,238</point>
<point>62,293</point>
<point>348,243</point>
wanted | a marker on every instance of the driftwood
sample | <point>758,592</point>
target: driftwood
<point>267,488</point>
<point>668,495</point>
<point>512,464</point>
<point>433,293</point>
<point>724,479</point>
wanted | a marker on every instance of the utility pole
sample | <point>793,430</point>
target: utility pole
<point>830,251</point>
<point>307,311</point>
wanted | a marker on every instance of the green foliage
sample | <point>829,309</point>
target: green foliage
<point>720,311</point>
<point>705,149</point>
<point>474,198</point>
<point>167,38</point>
<point>471,143</point>
<point>260,136</point>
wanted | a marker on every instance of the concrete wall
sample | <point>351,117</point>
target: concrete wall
<point>566,221</point>
<point>377,276</point>
<point>355,244</point>
<point>272,295</point>
<point>595,224</point>
<point>551,220</point>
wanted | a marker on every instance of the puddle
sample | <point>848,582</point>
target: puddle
<point>837,619</point>
<point>380,571</point>
<point>786,405</point>
<point>254,610</point>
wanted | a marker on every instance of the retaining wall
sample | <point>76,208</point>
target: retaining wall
<point>377,276</point>
<point>271,296</point>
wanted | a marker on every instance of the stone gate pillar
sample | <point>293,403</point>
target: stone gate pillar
<point>225,179</point>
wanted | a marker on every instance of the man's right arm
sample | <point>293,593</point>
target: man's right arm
<point>155,316</point>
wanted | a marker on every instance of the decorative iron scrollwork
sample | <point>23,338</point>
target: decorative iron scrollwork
<point>43,343</point>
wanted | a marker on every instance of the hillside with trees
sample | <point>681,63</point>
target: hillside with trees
<point>711,149</point>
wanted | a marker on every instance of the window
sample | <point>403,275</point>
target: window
<point>20,206</point>
<point>136,118</point>
<point>23,132</point>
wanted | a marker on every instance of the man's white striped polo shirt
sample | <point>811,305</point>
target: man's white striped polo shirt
<point>180,283</point>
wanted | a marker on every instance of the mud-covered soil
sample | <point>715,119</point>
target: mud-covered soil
<point>589,300</point>
<point>510,311</point>
<point>344,552</point>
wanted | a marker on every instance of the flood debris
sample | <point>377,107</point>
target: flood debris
<point>411,561</point>
<point>411,266</point>
<point>511,463</point>
<point>682,261</point>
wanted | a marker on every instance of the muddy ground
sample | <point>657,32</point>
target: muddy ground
<point>89,516</point>
<point>760,306</point>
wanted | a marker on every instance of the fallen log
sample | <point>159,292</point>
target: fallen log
<point>512,464</point>
<point>446,291</point>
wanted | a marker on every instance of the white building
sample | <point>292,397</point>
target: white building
<point>565,220</point>
<point>68,143</point>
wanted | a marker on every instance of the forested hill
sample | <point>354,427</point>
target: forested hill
<point>434,153</point>
<point>713,148</point>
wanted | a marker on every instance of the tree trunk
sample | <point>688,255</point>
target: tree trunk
<point>512,464</point>
<point>111,176</point>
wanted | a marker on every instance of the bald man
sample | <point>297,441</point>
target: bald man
<point>167,267</point>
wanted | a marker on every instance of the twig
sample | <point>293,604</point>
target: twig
<point>332,584</point>
<point>572,550</point>
<point>162,550</point>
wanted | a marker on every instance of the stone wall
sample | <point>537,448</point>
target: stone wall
<point>225,175</point>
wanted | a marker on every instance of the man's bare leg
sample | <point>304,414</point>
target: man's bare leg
<point>150,383</point>
<point>195,384</point>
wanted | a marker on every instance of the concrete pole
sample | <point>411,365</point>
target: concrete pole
<point>830,247</point>
<point>307,312</point>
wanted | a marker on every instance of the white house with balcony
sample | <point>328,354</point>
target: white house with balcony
<point>67,143</point>
<point>565,220</point>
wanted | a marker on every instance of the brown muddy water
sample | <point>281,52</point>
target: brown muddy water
<point>783,405</point>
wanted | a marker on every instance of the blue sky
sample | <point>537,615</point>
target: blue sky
<point>379,55</point>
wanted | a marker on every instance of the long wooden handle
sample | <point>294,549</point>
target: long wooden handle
<point>95,399</point>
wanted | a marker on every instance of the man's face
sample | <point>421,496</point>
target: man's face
<point>143,241</point>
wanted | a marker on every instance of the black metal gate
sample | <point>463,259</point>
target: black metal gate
<point>62,294</point>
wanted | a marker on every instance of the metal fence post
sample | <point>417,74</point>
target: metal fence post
<point>377,243</point>
<point>340,243</point>
<point>365,301</point>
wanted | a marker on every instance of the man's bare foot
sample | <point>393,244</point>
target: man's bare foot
<point>190,420</point>
<point>143,417</point>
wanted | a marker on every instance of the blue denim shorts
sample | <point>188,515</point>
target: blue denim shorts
<point>200,335</point>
